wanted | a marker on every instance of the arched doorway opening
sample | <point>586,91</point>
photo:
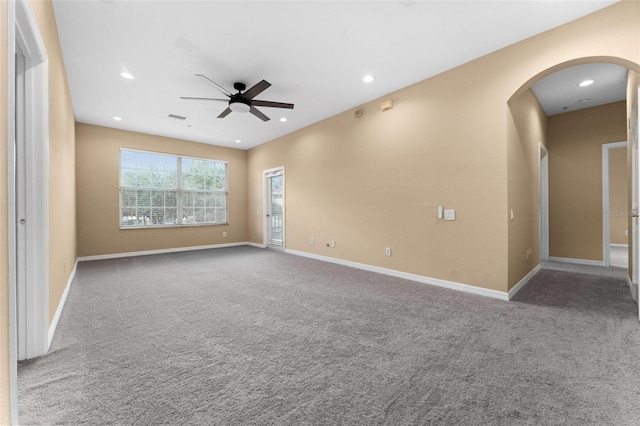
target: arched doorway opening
<point>531,154</point>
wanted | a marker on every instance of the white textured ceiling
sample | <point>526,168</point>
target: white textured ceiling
<point>314,53</point>
<point>560,92</point>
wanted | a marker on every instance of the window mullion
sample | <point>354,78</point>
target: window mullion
<point>179,191</point>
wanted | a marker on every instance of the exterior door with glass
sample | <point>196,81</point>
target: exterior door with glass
<point>274,217</point>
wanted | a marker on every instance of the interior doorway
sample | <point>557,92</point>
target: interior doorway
<point>274,208</point>
<point>544,203</point>
<point>614,205</point>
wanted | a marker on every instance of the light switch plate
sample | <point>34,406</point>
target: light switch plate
<point>449,215</point>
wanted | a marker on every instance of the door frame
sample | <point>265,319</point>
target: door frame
<point>23,31</point>
<point>543,201</point>
<point>265,206</point>
<point>635,187</point>
<point>606,222</point>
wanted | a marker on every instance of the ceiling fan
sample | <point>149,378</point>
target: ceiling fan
<point>243,102</point>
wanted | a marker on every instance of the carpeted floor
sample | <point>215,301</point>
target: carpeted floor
<point>244,336</point>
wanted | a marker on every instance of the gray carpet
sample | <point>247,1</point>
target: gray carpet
<point>243,336</point>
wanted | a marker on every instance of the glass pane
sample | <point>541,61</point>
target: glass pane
<point>199,199</point>
<point>129,198</point>
<point>187,215</point>
<point>221,216</point>
<point>199,215</point>
<point>144,198</point>
<point>170,199</point>
<point>128,177</point>
<point>170,216</point>
<point>187,199</point>
<point>157,198</point>
<point>157,217</point>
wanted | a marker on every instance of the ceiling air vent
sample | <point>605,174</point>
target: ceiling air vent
<point>177,117</point>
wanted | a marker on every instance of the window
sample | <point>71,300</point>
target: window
<point>168,190</point>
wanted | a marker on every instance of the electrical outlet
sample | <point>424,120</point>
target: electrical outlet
<point>529,253</point>
<point>333,243</point>
<point>311,241</point>
<point>224,234</point>
<point>387,251</point>
<point>626,233</point>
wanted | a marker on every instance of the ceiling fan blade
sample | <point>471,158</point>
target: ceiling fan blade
<point>222,89</point>
<point>203,99</point>
<point>224,113</point>
<point>256,90</point>
<point>258,114</point>
<point>271,104</point>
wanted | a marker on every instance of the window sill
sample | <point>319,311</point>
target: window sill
<point>185,225</point>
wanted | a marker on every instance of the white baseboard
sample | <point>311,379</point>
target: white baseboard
<point>63,299</point>
<point>516,288</point>
<point>577,261</point>
<point>407,276</point>
<point>619,245</point>
<point>159,251</point>
<point>249,243</point>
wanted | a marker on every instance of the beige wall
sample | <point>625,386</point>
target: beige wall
<point>618,195</point>
<point>575,177</point>
<point>62,198</point>
<point>4,230</point>
<point>374,182</point>
<point>98,168</point>
<point>526,132</point>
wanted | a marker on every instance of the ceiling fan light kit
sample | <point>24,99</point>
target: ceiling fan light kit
<point>239,105</point>
<point>243,102</point>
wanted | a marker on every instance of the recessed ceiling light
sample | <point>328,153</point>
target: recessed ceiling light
<point>117,118</point>
<point>238,141</point>
<point>283,119</point>
<point>367,78</point>
<point>586,83</point>
<point>583,101</point>
<point>126,75</point>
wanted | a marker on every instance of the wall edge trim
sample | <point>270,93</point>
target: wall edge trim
<point>516,288</point>
<point>252,244</point>
<point>451,285</point>
<point>619,245</point>
<point>63,299</point>
<point>158,251</point>
<point>577,261</point>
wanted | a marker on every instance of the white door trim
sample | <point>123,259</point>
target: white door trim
<point>635,185</point>
<point>606,232</point>
<point>23,30</point>
<point>265,206</point>
<point>544,202</point>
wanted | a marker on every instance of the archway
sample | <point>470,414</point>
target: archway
<point>530,123</point>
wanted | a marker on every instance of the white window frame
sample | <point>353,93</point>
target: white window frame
<point>179,190</point>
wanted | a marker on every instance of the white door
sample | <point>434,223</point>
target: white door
<point>274,211</point>
<point>20,206</point>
